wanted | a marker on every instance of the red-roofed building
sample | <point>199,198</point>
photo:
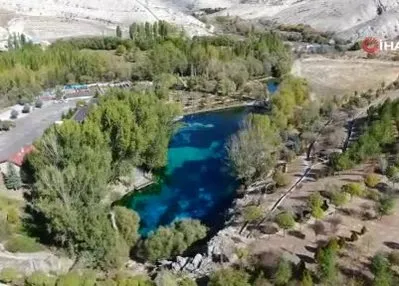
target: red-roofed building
<point>16,159</point>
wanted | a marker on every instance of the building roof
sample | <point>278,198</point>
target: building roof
<point>18,158</point>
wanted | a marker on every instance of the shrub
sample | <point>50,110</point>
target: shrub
<point>187,282</point>
<point>39,103</point>
<point>371,180</point>
<point>229,276</point>
<point>327,264</point>
<point>385,206</point>
<point>316,203</point>
<point>333,244</point>
<point>39,278</point>
<point>9,275</point>
<point>392,171</point>
<point>166,242</point>
<point>26,108</point>
<point>380,269</point>
<point>69,279</point>
<point>354,189</point>
<point>14,114</point>
<point>5,125</point>
<point>140,280</point>
<point>12,179</point>
<point>23,101</point>
<point>128,223</point>
<point>306,279</point>
<point>281,179</point>
<point>13,216</point>
<point>283,273</point>
<point>252,213</point>
<point>285,220</point>
<point>373,195</point>
<point>120,50</point>
<point>21,243</point>
<point>339,198</point>
<point>394,257</point>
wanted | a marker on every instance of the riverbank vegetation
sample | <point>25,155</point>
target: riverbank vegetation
<point>254,151</point>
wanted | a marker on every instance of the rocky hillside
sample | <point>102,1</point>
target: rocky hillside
<point>50,19</point>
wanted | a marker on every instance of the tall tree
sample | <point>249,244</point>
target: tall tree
<point>253,151</point>
<point>118,32</point>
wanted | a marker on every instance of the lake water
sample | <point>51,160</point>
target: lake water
<point>196,182</point>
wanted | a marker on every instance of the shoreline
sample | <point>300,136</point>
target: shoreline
<point>219,108</point>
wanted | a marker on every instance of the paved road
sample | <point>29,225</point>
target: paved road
<point>31,127</point>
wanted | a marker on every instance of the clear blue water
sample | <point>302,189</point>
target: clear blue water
<point>196,182</point>
<point>272,86</point>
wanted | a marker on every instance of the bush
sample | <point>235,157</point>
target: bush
<point>26,108</point>
<point>23,101</point>
<point>285,220</point>
<point>371,180</point>
<point>5,125</point>
<point>21,243</point>
<point>170,241</point>
<point>69,279</point>
<point>393,257</point>
<point>381,269</point>
<point>339,198</point>
<point>252,213</point>
<point>14,114</point>
<point>39,103</point>
<point>229,276</point>
<point>9,275</point>
<point>128,223</point>
<point>385,206</point>
<point>13,216</point>
<point>39,278</point>
<point>373,195</point>
<point>281,179</point>
<point>354,189</point>
<point>284,272</point>
<point>12,179</point>
<point>316,204</point>
<point>120,50</point>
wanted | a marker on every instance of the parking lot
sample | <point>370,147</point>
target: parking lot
<point>32,126</point>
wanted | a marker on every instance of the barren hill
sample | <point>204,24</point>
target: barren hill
<point>50,19</point>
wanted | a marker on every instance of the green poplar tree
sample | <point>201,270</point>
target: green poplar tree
<point>118,32</point>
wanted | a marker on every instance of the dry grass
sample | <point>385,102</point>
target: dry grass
<point>330,77</point>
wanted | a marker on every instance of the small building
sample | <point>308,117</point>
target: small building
<point>16,159</point>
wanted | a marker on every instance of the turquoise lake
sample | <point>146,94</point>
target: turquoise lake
<point>196,182</point>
